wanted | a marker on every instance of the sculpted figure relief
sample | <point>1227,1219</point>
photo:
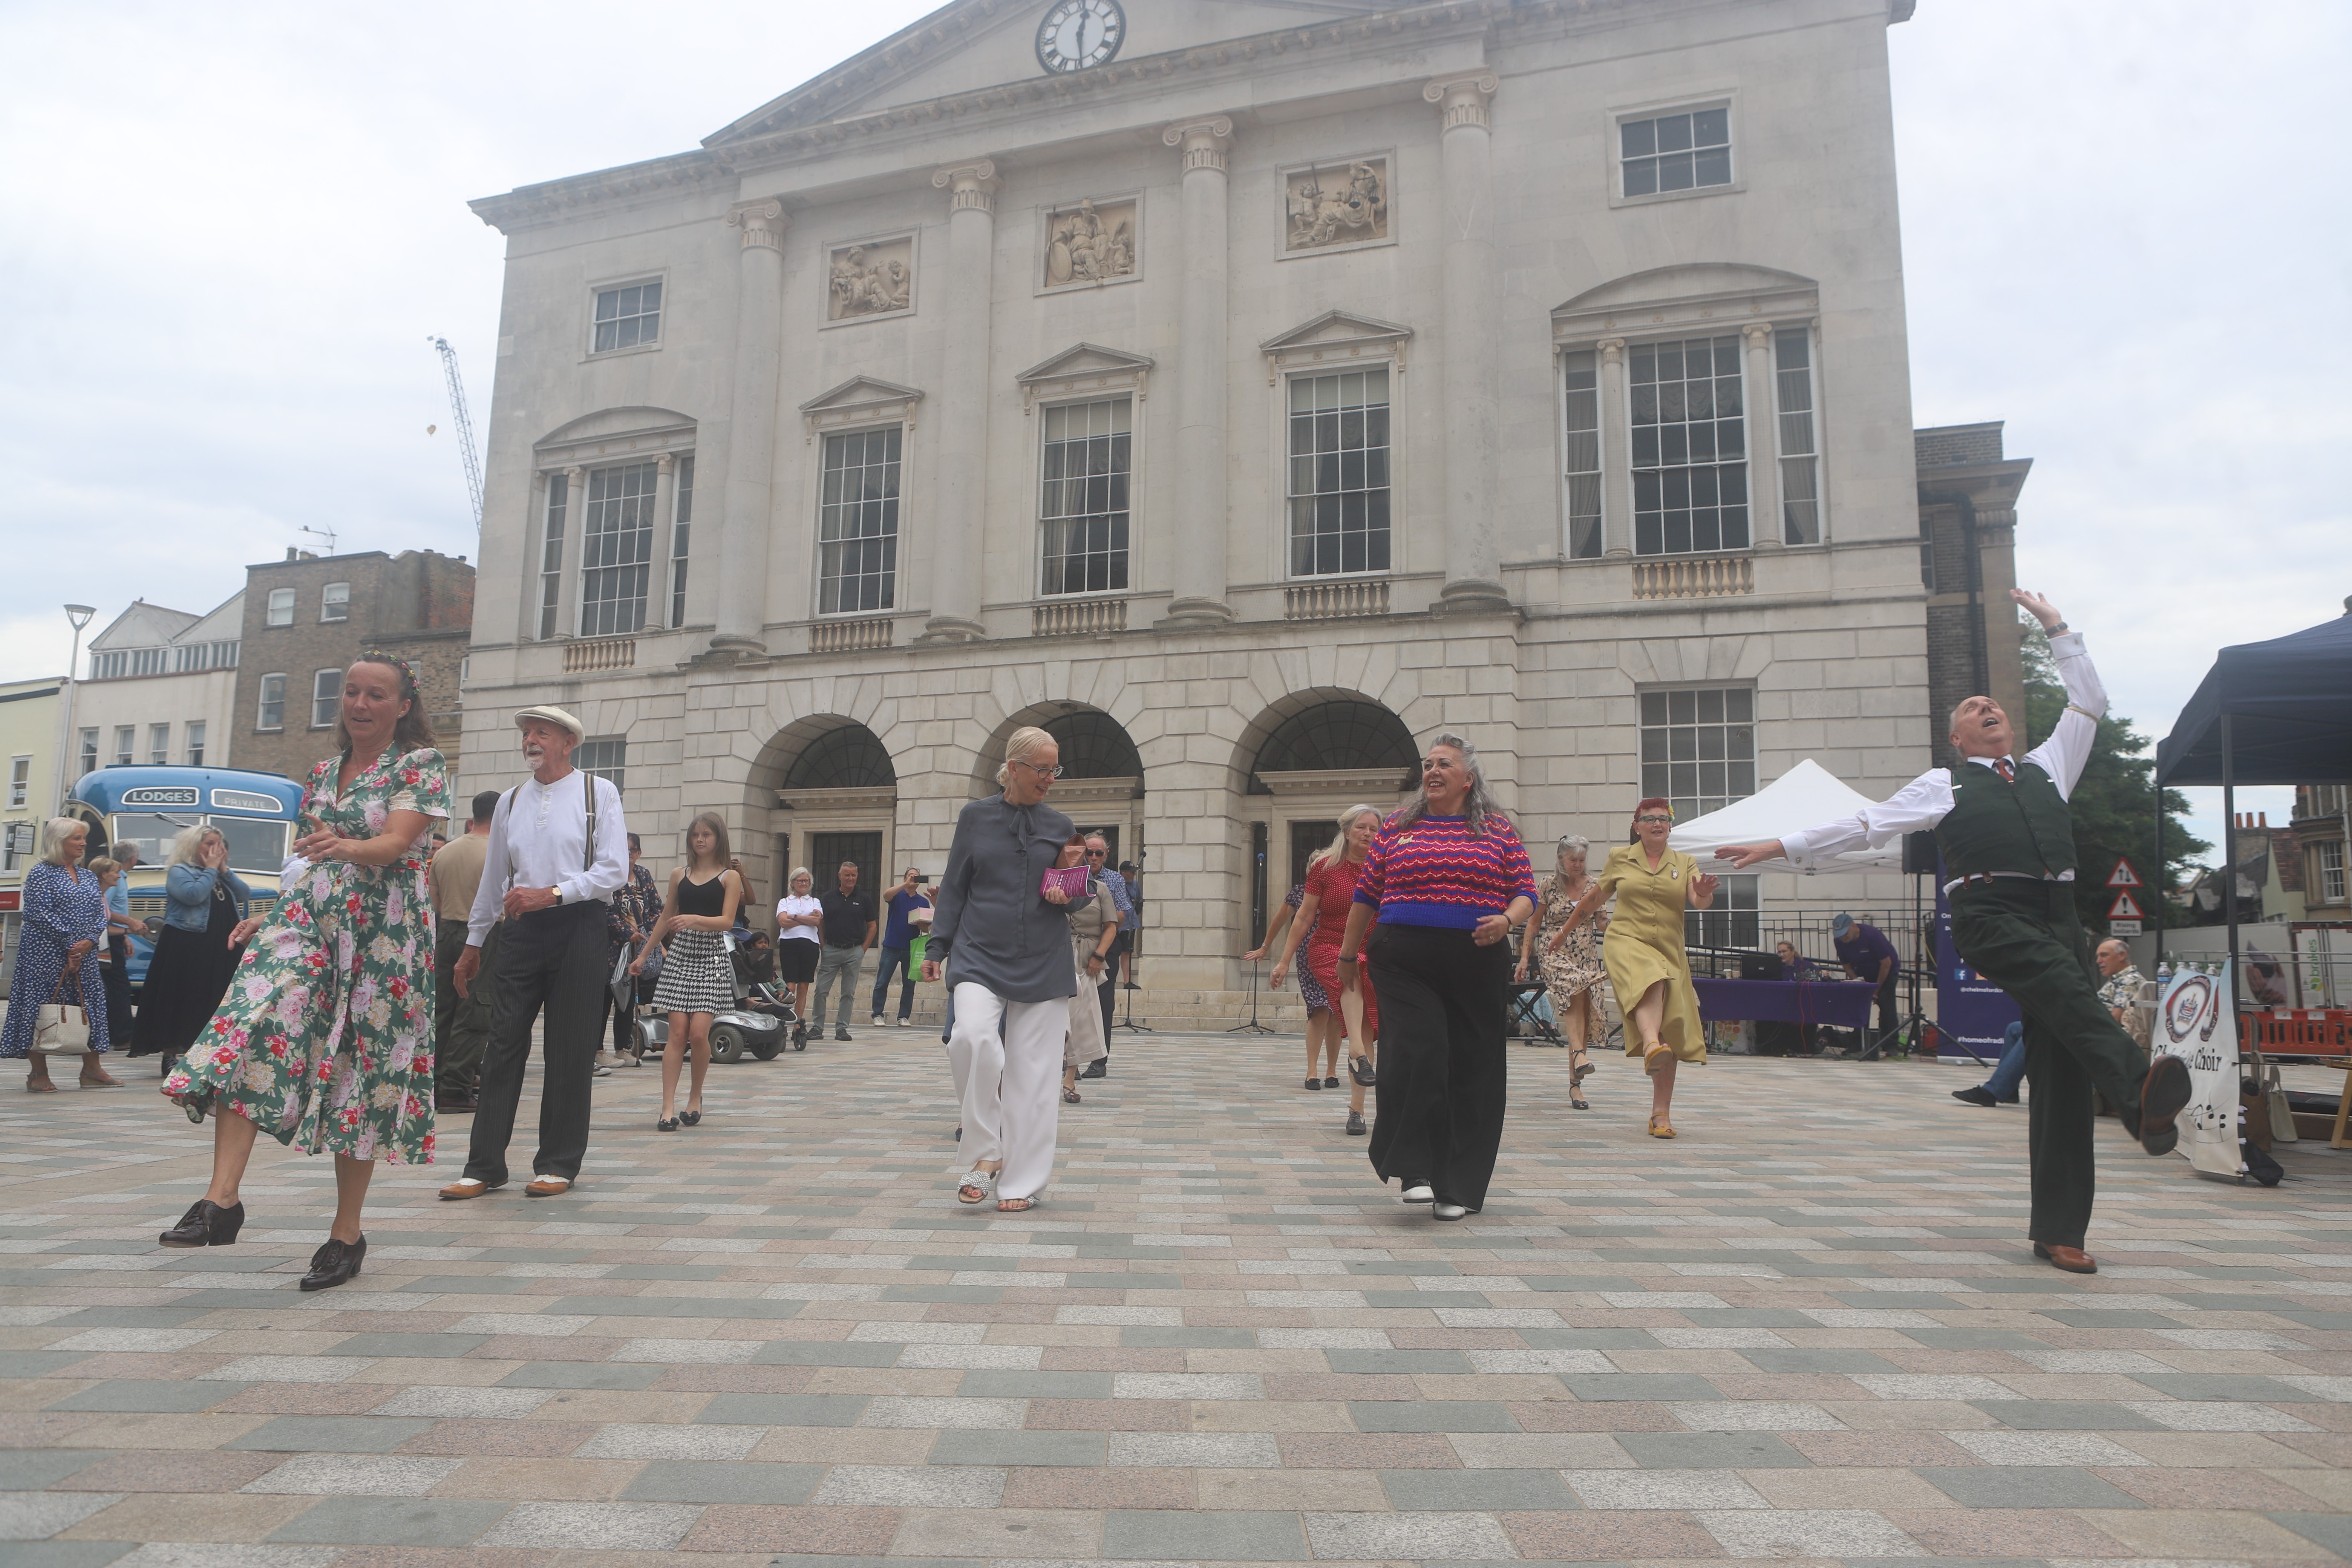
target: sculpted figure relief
<point>1088,244</point>
<point>1328,206</point>
<point>869,279</point>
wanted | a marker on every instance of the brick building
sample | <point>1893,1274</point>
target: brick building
<point>307,616</point>
<point>1967,563</point>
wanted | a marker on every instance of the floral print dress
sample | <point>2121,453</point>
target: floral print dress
<point>325,1039</point>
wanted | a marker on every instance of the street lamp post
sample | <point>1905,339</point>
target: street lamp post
<point>80,616</point>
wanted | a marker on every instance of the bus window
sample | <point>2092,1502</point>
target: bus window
<point>151,831</point>
<point>253,846</point>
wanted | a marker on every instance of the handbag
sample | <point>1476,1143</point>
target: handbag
<point>62,1029</point>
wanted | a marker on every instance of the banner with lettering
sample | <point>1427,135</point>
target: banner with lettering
<point>2198,1022</point>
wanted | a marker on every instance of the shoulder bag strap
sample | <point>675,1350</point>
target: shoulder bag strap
<point>588,851</point>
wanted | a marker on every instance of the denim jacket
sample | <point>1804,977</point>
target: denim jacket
<point>189,889</point>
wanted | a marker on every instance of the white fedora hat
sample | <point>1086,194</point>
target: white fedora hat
<point>551,714</point>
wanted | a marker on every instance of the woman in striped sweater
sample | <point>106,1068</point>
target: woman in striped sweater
<point>1447,879</point>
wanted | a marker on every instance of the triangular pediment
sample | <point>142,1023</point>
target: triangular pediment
<point>1087,358</point>
<point>607,423</point>
<point>859,392</point>
<point>144,625</point>
<point>1336,327</point>
<point>971,45</point>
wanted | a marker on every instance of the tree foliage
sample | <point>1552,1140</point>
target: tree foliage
<point>2113,805</point>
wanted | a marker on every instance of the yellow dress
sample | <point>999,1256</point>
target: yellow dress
<point>1645,944</point>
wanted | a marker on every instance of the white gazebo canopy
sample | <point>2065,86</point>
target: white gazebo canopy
<point>1805,797</point>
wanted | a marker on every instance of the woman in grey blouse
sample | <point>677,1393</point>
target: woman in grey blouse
<point>1003,943</point>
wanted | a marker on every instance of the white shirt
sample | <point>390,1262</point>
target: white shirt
<point>796,907</point>
<point>539,840</point>
<point>1927,799</point>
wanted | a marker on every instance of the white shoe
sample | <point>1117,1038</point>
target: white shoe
<point>877,1020</point>
<point>1420,1194</point>
<point>1446,1211</point>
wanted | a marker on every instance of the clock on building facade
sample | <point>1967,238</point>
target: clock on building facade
<point>1076,34</point>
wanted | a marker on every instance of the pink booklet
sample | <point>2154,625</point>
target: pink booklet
<point>1071,879</point>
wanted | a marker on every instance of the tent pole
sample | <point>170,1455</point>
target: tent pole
<point>2229,882</point>
<point>2163,884</point>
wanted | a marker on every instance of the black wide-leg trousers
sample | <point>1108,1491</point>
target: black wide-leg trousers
<point>2024,936</point>
<point>550,959</point>
<point>1439,1109</point>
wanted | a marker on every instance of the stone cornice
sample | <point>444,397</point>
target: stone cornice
<point>553,201</point>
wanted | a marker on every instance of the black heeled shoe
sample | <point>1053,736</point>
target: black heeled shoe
<point>335,1263</point>
<point>691,1118</point>
<point>666,1124</point>
<point>205,1224</point>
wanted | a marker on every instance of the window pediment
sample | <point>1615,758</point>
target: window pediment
<point>1086,368</point>
<point>1332,339</point>
<point>614,433</point>
<point>860,400</point>
<point>1708,296</point>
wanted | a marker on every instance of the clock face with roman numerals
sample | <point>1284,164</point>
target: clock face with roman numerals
<point>1076,34</point>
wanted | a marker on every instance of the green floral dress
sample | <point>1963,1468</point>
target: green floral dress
<point>325,1039</point>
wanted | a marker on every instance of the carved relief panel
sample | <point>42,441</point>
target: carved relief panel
<point>870,278</point>
<point>1336,205</point>
<point>1096,242</point>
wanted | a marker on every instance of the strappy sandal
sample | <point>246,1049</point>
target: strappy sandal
<point>40,1086</point>
<point>1655,1056</point>
<point>1015,1206</point>
<point>1069,1097</point>
<point>975,1188</point>
<point>1660,1127</point>
<point>1578,1070</point>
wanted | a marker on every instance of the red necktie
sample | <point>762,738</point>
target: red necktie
<point>2008,772</point>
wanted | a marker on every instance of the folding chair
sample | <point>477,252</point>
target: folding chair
<point>1531,1015</point>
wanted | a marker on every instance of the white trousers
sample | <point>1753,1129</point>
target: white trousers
<point>1007,1061</point>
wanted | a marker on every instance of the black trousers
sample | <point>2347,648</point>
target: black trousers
<point>1887,1005</point>
<point>1108,992</point>
<point>1439,1113</point>
<point>2024,937</point>
<point>551,961</point>
<point>461,1024</point>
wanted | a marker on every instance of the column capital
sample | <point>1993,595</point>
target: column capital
<point>1462,100</point>
<point>666,465</point>
<point>1613,350</point>
<point>763,222</point>
<point>1758,334</point>
<point>970,188</point>
<point>575,473</point>
<point>1205,142</point>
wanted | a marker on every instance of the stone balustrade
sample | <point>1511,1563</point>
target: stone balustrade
<point>1694,577</point>
<point>1334,601</point>
<point>600,653</point>
<point>1077,617</point>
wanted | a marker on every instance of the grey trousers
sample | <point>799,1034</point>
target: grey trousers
<point>837,963</point>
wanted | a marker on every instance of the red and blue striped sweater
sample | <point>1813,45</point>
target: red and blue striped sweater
<point>1436,872</point>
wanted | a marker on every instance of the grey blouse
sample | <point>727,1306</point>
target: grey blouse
<point>994,927</point>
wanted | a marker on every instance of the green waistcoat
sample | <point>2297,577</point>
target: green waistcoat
<point>1995,825</point>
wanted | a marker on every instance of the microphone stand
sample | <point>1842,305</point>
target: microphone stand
<point>1128,1023</point>
<point>1253,1026</point>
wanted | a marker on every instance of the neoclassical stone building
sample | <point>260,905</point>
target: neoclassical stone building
<point>1247,389</point>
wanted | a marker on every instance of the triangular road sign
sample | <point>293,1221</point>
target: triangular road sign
<point>2123,876</point>
<point>2122,909</point>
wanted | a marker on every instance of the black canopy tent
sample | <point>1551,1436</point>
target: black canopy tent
<point>2275,712</point>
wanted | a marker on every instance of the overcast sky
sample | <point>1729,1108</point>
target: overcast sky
<point>231,229</point>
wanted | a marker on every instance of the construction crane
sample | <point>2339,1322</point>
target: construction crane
<point>465,425</point>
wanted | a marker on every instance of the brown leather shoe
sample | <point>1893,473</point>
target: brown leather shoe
<point>546,1187</point>
<point>468,1187</point>
<point>2073,1260</point>
<point>2162,1095</point>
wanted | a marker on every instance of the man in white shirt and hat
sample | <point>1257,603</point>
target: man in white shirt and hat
<point>559,850</point>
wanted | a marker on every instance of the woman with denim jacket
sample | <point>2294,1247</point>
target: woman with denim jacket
<point>204,928</point>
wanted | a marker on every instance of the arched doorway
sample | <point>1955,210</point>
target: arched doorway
<point>1101,786</point>
<point>1309,758</point>
<point>837,801</point>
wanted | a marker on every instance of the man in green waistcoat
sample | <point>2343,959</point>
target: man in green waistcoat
<point>2008,840</point>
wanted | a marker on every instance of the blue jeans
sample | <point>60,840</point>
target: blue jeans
<point>2002,1084</point>
<point>896,960</point>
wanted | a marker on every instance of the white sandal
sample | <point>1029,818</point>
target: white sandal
<point>975,1188</point>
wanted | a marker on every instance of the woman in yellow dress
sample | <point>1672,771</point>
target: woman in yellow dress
<point>1647,967</point>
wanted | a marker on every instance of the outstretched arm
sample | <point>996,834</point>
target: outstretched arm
<point>2065,754</point>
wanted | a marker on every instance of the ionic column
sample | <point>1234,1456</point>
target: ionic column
<point>1473,566</point>
<point>751,431</point>
<point>659,588</point>
<point>963,402</point>
<point>1616,454</point>
<point>571,557</point>
<point>1764,521</point>
<point>1197,544</point>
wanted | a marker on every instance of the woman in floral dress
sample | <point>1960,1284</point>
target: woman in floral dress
<point>325,1039</point>
<point>1570,960</point>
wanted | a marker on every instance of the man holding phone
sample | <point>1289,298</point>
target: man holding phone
<point>897,943</point>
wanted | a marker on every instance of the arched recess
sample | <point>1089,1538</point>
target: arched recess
<point>1101,786</point>
<point>836,791</point>
<point>1316,752</point>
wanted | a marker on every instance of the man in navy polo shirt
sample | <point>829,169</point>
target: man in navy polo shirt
<point>1868,956</point>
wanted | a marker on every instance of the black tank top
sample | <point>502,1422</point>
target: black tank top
<point>702,898</point>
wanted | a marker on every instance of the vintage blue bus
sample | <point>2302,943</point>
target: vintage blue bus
<point>150,805</point>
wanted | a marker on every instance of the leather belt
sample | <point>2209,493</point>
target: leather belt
<point>1992,876</point>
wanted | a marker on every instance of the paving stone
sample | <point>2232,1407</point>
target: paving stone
<point>37,1515</point>
<point>330,1433</point>
<point>1662,1490</point>
<point>1162,1536</point>
<point>700,1482</point>
<point>158,1394</point>
<point>32,1469</point>
<point>1708,1450</point>
<point>353,1475</point>
<point>2028,1486</point>
<point>594,1526</point>
<point>1472,1490</point>
<point>1848,1534</point>
<point>394,1521</point>
<point>910,1486</point>
<point>647,1441</point>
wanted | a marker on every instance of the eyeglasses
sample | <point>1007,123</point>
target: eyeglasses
<point>1041,772</point>
<point>1096,854</point>
<point>1654,816</point>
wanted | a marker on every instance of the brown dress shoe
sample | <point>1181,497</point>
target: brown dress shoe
<point>548,1187</point>
<point>468,1187</point>
<point>2162,1097</point>
<point>2073,1260</point>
